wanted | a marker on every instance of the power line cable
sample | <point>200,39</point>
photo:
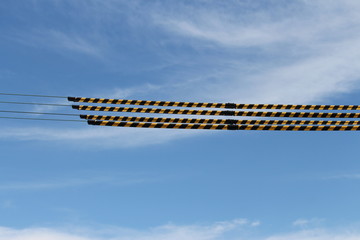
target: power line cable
<point>195,104</point>
<point>43,104</point>
<point>215,121</point>
<point>46,113</point>
<point>213,105</point>
<point>31,95</point>
<point>44,119</point>
<point>226,126</point>
<point>219,113</point>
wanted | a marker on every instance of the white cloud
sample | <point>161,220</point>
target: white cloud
<point>311,51</point>
<point>38,234</point>
<point>72,43</point>
<point>318,234</point>
<point>256,223</point>
<point>302,222</point>
<point>63,42</point>
<point>243,25</point>
<point>74,182</point>
<point>105,137</point>
<point>123,93</point>
<point>229,230</point>
<point>170,231</point>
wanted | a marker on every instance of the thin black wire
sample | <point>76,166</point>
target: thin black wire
<point>60,114</point>
<point>31,95</point>
<point>31,103</point>
<point>44,119</point>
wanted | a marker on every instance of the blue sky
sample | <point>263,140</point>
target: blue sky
<point>70,181</point>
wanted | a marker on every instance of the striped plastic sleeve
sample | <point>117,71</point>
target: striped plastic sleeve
<point>213,105</point>
<point>216,121</point>
<point>225,126</point>
<point>219,113</point>
<point>151,103</point>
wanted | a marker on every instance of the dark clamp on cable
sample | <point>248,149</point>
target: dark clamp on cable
<point>230,105</point>
<point>93,122</point>
<point>233,127</point>
<point>231,121</point>
<point>73,99</point>
<point>227,113</point>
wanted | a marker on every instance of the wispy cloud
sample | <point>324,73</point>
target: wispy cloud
<point>62,42</point>
<point>214,231</point>
<point>238,25</point>
<point>105,137</point>
<point>73,43</point>
<point>51,184</point>
<point>318,234</point>
<point>302,56</point>
<point>302,222</point>
<point>229,230</point>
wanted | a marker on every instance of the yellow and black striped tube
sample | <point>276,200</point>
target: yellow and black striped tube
<point>151,103</point>
<point>162,125</point>
<point>159,120</point>
<point>219,113</point>
<point>226,126</point>
<point>216,121</point>
<point>298,107</point>
<point>214,105</point>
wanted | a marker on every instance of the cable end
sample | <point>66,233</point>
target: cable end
<point>93,122</point>
<point>74,99</point>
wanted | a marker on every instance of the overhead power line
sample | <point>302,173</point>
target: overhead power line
<point>225,126</point>
<point>213,105</point>
<point>31,95</point>
<point>46,113</point>
<point>215,121</point>
<point>302,123</point>
<point>32,103</point>
<point>219,113</point>
<point>43,119</point>
<point>194,104</point>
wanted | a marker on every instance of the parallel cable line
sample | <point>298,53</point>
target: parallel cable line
<point>214,105</point>
<point>43,104</point>
<point>160,125</point>
<point>225,126</point>
<point>194,104</point>
<point>297,107</point>
<point>44,119</point>
<point>215,121</point>
<point>148,103</point>
<point>156,119</point>
<point>31,95</point>
<point>45,113</point>
<point>219,113</point>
